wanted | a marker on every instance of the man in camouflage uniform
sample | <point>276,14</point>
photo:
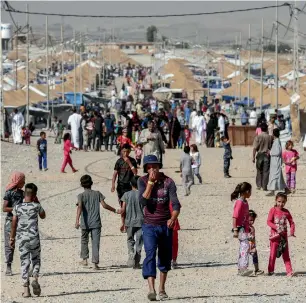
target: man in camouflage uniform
<point>25,229</point>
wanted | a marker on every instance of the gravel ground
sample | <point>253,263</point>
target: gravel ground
<point>207,252</point>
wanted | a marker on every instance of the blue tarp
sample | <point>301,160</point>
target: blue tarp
<point>245,102</point>
<point>70,98</point>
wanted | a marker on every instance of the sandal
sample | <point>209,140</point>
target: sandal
<point>152,296</point>
<point>163,295</point>
<point>36,288</point>
<point>26,292</point>
<point>259,272</point>
<point>292,274</point>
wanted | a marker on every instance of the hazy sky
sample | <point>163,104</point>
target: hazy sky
<point>224,26</point>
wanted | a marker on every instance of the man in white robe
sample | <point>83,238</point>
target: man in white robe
<point>17,124</point>
<point>198,126</point>
<point>74,121</point>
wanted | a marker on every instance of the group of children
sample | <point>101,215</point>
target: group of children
<point>244,230</point>
<point>41,148</point>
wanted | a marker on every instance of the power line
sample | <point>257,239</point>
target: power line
<point>291,29</point>
<point>11,9</point>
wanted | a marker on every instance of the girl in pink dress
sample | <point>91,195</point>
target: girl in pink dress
<point>67,152</point>
<point>241,226</point>
<point>290,156</point>
<point>277,220</point>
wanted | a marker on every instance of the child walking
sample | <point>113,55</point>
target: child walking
<point>13,196</point>
<point>42,151</point>
<point>196,162</point>
<point>133,213</point>
<point>278,219</point>
<point>138,154</point>
<point>227,157</point>
<point>125,168</point>
<point>186,171</point>
<point>241,227</point>
<point>67,152</point>
<point>252,242</point>
<point>89,211</point>
<point>25,229</point>
<point>290,157</point>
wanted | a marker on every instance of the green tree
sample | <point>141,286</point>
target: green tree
<point>151,33</point>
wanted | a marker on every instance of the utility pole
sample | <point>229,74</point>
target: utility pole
<point>47,69</point>
<point>28,58</point>
<point>276,57</point>
<point>81,61</point>
<point>249,67</point>
<point>74,64</point>
<point>63,83</point>
<point>262,62</point>
<point>240,46</point>
<point>296,58</point>
<point>235,95</point>
<point>207,61</point>
<point>103,62</point>
<point>89,65</point>
<point>16,87</point>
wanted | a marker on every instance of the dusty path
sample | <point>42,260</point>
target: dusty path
<point>207,252</point>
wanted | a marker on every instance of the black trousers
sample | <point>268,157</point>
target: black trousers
<point>263,170</point>
<point>226,166</point>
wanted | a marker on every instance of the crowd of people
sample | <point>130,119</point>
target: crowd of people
<point>149,205</point>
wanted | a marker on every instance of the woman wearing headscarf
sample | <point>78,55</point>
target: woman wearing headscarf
<point>276,178</point>
<point>13,196</point>
<point>174,132</point>
<point>210,130</point>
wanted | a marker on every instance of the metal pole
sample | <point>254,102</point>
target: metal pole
<point>63,84</point>
<point>16,87</point>
<point>1,91</point>
<point>276,57</point>
<point>103,62</point>
<point>89,70</point>
<point>240,45</point>
<point>47,69</point>
<point>249,67</point>
<point>296,68</point>
<point>236,67</point>
<point>28,58</point>
<point>81,61</point>
<point>74,63</point>
<point>207,61</point>
<point>262,62</point>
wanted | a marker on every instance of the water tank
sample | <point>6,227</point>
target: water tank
<point>6,30</point>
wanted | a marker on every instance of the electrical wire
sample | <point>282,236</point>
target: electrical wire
<point>292,30</point>
<point>11,9</point>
